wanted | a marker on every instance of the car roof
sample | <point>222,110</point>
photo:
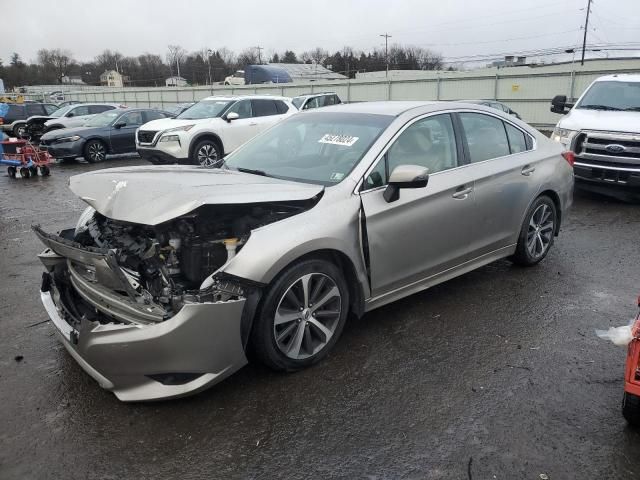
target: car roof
<point>253,97</point>
<point>318,94</point>
<point>398,107</point>
<point>619,77</point>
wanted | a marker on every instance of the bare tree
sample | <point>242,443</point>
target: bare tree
<point>175,55</point>
<point>318,55</point>
<point>108,60</point>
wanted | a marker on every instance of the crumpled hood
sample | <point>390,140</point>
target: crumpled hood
<point>154,194</point>
<point>582,119</point>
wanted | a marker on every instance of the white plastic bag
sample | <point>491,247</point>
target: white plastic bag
<point>620,336</point>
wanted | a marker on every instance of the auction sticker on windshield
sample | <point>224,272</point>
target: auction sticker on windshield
<point>344,140</point>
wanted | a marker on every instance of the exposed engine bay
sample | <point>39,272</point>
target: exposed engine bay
<point>165,265</point>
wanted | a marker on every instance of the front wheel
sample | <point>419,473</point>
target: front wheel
<point>207,154</point>
<point>537,232</point>
<point>631,409</point>
<point>95,151</point>
<point>20,130</point>
<point>302,315</point>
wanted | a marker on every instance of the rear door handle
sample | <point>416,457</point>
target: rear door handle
<point>462,192</point>
<point>527,170</point>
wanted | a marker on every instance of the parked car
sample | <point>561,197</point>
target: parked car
<point>69,102</point>
<point>172,274</point>
<point>315,100</point>
<point>256,74</point>
<point>494,104</point>
<point>74,115</point>
<point>631,398</point>
<point>179,108</point>
<point>603,129</point>
<point>236,79</point>
<point>14,120</point>
<point>107,133</point>
<point>210,129</point>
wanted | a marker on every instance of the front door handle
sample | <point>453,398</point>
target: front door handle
<point>528,170</point>
<point>253,124</point>
<point>462,192</point>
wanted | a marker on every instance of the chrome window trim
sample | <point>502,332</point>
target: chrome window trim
<point>374,164</point>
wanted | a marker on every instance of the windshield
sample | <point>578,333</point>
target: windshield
<point>319,148</point>
<point>103,119</point>
<point>298,101</point>
<point>205,109</point>
<point>61,111</point>
<point>612,96</point>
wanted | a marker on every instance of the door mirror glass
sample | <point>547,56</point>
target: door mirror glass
<point>405,176</point>
<point>232,116</point>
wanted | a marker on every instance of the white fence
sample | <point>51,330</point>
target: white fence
<point>526,90</point>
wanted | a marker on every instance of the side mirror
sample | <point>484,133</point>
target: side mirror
<point>119,125</point>
<point>405,176</point>
<point>71,114</point>
<point>231,116</point>
<point>559,104</point>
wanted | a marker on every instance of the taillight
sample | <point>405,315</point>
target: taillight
<point>570,157</point>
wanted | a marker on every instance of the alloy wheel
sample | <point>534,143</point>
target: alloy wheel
<point>97,152</point>
<point>307,316</point>
<point>540,231</point>
<point>208,155</point>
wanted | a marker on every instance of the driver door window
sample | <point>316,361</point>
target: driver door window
<point>131,119</point>
<point>429,142</point>
<point>242,108</point>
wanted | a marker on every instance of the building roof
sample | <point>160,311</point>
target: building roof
<point>175,77</point>
<point>308,71</point>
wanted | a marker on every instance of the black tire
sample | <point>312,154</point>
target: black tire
<point>25,172</point>
<point>95,151</point>
<point>540,233</point>
<point>20,130</point>
<point>12,171</point>
<point>44,171</point>
<point>263,334</point>
<point>631,409</point>
<point>33,171</point>
<point>207,153</point>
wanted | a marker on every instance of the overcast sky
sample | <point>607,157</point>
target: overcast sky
<point>455,28</point>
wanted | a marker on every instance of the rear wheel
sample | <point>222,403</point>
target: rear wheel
<point>25,172</point>
<point>44,171</point>
<point>302,315</point>
<point>631,409</point>
<point>207,154</point>
<point>95,151</point>
<point>537,232</point>
<point>12,171</point>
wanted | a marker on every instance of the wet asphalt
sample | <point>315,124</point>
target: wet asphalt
<point>494,375</point>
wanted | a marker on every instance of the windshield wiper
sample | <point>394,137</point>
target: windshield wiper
<point>252,171</point>
<point>632,109</point>
<point>600,107</point>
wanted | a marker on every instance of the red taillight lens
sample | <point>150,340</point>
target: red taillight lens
<point>570,157</point>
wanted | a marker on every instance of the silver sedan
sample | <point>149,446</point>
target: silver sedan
<point>174,273</point>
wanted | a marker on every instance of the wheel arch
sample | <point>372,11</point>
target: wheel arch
<point>206,136</point>
<point>552,194</point>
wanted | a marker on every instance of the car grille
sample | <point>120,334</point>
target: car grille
<point>146,136</point>
<point>609,148</point>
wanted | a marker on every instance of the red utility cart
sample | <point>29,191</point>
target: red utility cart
<point>24,157</point>
<point>631,400</point>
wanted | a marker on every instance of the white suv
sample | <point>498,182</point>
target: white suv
<point>212,128</point>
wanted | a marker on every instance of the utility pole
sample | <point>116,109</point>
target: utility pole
<point>209,52</point>
<point>586,25</point>
<point>386,49</point>
<point>259,48</point>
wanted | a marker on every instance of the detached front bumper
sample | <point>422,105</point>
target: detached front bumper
<point>196,348</point>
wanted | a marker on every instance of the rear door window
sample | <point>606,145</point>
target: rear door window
<point>281,107</point>
<point>517,139</point>
<point>99,108</point>
<point>153,115</point>
<point>486,136</point>
<point>35,109</point>
<point>264,108</point>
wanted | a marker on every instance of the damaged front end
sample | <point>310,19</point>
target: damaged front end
<point>147,310</point>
